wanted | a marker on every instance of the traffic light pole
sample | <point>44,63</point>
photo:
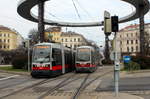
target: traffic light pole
<point>116,69</point>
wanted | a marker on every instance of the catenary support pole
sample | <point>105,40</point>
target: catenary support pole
<point>141,28</point>
<point>41,20</point>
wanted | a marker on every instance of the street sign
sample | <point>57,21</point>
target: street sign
<point>127,59</point>
<point>112,55</point>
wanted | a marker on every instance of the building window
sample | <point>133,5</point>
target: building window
<point>4,40</point>
<point>132,49</point>
<point>0,40</point>
<point>120,36</point>
<point>8,40</point>
<point>75,39</point>
<point>137,49</point>
<point>0,34</point>
<point>8,46</point>
<point>66,40</point>
<point>131,34</point>
<point>4,46</point>
<point>131,41</point>
<point>136,34</point>
<point>8,35</point>
<point>70,40</point>
<point>127,41</point>
<point>127,35</point>
<point>128,49</point>
<point>120,42</point>
<point>136,41</point>
<point>4,35</point>
<point>75,46</point>
<point>78,39</point>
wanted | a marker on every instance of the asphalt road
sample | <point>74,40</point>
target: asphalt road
<point>137,85</point>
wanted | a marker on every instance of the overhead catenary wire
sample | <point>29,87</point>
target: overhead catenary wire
<point>83,9</point>
<point>76,9</point>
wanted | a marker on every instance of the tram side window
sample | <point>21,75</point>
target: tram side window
<point>67,57</point>
<point>93,56</point>
<point>57,57</point>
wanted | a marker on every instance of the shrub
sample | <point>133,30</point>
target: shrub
<point>20,62</point>
<point>107,62</point>
<point>144,61</point>
<point>132,66</point>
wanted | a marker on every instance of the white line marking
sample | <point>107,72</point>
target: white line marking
<point>8,77</point>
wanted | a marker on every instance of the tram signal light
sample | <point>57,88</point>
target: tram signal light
<point>107,23</point>
<point>114,24</point>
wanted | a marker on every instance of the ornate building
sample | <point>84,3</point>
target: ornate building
<point>53,34</point>
<point>128,38</point>
<point>9,39</point>
<point>73,40</point>
<point>68,39</point>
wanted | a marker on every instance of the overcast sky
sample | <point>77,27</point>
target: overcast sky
<point>89,10</point>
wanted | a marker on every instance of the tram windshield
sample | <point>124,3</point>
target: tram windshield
<point>41,54</point>
<point>83,54</point>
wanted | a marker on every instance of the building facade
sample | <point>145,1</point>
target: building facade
<point>128,38</point>
<point>68,39</point>
<point>9,39</point>
<point>53,34</point>
<point>73,40</point>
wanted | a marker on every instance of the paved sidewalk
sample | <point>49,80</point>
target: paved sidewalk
<point>121,96</point>
<point>100,95</point>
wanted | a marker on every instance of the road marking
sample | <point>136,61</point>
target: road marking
<point>8,77</point>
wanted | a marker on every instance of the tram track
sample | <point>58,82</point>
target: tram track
<point>60,85</point>
<point>85,84</point>
<point>32,86</point>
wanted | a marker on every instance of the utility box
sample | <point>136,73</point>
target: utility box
<point>117,65</point>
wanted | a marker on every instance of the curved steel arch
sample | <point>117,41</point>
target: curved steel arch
<point>25,6</point>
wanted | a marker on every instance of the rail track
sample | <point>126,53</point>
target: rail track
<point>84,84</point>
<point>60,85</point>
<point>32,86</point>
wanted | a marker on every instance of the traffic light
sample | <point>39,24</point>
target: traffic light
<point>107,23</point>
<point>114,24</point>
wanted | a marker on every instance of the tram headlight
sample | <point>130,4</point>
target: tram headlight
<point>34,65</point>
<point>88,64</point>
<point>47,65</point>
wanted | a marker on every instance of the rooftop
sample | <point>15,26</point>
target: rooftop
<point>133,26</point>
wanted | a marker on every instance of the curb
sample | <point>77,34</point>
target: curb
<point>139,71</point>
<point>17,73</point>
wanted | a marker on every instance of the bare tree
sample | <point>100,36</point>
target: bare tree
<point>33,36</point>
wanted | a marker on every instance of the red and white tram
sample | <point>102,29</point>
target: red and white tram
<point>87,59</point>
<point>49,59</point>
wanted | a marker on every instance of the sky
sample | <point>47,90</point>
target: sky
<point>63,10</point>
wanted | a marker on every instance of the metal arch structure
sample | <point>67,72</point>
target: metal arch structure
<point>25,6</point>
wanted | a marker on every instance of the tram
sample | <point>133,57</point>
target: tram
<point>87,59</point>
<point>51,59</point>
